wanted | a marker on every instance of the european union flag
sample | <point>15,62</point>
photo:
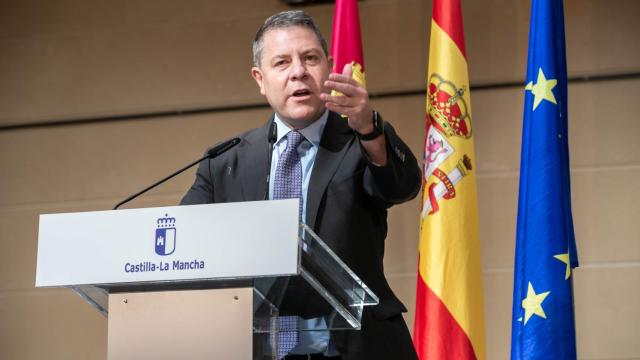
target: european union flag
<point>543,318</point>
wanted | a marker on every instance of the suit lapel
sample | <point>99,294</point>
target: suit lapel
<point>253,165</point>
<point>333,146</point>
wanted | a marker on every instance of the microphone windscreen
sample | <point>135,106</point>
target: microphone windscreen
<point>223,147</point>
<point>273,133</point>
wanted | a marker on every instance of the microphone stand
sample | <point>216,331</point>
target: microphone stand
<point>212,153</point>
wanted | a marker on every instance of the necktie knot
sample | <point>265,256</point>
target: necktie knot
<point>294,139</point>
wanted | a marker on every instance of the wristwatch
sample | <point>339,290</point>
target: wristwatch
<point>378,128</point>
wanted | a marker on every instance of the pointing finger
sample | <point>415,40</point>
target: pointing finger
<point>342,110</point>
<point>343,79</point>
<point>337,100</point>
<point>346,89</point>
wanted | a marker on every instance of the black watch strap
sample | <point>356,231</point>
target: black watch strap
<point>378,128</point>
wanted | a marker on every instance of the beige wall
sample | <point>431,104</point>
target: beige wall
<point>73,59</point>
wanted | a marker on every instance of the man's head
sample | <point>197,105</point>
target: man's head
<point>283,20</point>
<point>290,65</point>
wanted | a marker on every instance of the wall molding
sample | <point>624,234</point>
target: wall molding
<point>263,105</point>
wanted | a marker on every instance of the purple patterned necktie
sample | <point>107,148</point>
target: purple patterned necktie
<point>288,180</point>
<point>288,185</point>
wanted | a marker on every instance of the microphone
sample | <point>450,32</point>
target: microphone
<point>272,137</point>
<point>214,152</point>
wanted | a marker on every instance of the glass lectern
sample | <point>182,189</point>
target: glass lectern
<point>173,317</point>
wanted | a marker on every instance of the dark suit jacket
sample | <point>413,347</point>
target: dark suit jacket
<point>347,204</point>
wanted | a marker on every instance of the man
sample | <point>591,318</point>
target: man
<point>346,171</point>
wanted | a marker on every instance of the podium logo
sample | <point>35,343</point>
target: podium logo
<point>165,241</point>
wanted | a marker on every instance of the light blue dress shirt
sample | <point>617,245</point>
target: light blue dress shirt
<point>309,342</point>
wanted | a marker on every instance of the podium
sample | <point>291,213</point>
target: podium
<point>213,281</point>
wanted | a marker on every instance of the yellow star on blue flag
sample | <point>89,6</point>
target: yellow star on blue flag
<point>532,304</point>
<point>565,258</point>
<point>542,89</point>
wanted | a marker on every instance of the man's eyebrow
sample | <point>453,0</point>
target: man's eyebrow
<point>278,57</point>
<point>312,50</point>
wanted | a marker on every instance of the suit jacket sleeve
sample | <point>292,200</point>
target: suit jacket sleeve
<point>399,180</point>
<point>201,192</point>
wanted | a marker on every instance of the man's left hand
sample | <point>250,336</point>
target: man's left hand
<point>353,103</point>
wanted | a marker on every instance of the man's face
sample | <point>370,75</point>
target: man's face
<point>291,73</point>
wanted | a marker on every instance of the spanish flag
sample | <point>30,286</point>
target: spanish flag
<point>449,321</point>
<point>346,42</point>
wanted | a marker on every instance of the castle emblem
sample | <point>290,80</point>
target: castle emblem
<point>357,74</point>
<point>165,241</point>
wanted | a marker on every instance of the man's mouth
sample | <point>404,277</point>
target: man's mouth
<point>301,93</point>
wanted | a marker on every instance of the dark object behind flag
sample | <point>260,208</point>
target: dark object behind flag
<point>543,317</point>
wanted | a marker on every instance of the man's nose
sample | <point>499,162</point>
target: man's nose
<point>298,70</point>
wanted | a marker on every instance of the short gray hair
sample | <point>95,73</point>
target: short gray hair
<point>281,20</point>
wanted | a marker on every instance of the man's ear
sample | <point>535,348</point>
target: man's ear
<point>256,73</point>
<point>330,61</point>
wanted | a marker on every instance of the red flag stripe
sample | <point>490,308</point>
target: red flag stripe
<point>434,321</point>
<point>448,15</point>
<point>346,41</point>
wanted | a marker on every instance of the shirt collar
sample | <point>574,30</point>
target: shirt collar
<point>313,132</point>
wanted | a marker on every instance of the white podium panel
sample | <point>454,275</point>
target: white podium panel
<point>212,241</point>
